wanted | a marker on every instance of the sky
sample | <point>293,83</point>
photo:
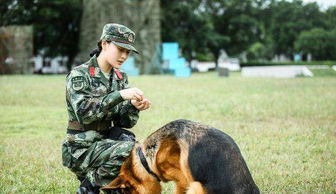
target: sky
<point>323,3</point>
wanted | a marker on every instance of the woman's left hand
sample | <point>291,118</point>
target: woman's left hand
<point>141,105</point>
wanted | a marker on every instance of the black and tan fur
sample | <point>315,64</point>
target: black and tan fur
<point>198,158</point>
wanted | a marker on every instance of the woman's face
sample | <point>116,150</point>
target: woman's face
<point>115,55</point>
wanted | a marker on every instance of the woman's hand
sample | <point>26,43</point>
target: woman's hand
<point>141,105</point>
<point>132,94</point>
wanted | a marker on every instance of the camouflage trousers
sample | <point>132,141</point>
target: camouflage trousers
<point>89,155</point>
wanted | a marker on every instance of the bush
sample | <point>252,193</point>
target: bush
<point>319,42</point>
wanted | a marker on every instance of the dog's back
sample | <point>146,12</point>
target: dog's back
<point>214,158</point>
<point>216,162</point>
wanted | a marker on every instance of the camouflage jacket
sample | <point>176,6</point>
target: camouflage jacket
<point>90,97</point>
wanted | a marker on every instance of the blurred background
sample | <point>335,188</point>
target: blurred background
<point>174,36</point>
<point>284,127</point>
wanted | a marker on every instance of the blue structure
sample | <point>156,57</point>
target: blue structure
<point>129,67</point>
<point>297,57</point>
<point>170,50</point>
<point>175,64</point>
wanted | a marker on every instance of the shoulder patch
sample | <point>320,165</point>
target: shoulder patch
<point>92,71</point>
<point>77,83</point>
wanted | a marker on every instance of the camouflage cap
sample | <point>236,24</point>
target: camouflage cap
<point>119,35</point>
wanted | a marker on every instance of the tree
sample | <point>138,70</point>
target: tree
<point>55,23</point>
<point>182,23</point>
<point>318,42</point>
<point>329,18</point>
<point>209,25</point>
<point>257,51</point>
<point>288,20</point>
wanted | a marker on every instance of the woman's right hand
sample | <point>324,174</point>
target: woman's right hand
<point>132,94</point>
<point>141,105</point>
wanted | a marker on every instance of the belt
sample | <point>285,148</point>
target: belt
<point>96,126</point>
<point>73,132</point>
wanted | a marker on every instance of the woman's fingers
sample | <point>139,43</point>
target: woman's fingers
<point>138,94</point>
<point>141,104</point>
<point>146,103</point>
<point>132,93</point>
<point>146,106</point>
<point>137,97</point>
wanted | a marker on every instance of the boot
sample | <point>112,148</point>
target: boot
<point>87,188</point>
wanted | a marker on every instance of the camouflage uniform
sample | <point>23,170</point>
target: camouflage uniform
<point>95,108</point>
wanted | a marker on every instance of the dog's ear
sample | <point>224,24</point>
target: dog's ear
<point>116,184</point>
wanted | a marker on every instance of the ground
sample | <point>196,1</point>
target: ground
<point>285,128</point>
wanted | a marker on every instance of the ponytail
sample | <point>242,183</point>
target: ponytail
<point>97,50</point>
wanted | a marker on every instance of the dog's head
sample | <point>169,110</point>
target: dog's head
<point>122,185</point>
<point>133,178</point>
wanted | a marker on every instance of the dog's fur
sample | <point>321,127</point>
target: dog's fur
<point>198,158</point>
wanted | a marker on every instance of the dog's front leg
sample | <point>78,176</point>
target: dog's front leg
<point>180,189</point>
<point>196,188</point>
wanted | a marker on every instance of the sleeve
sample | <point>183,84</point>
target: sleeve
<point>128,114</point>
<point>87,106</point>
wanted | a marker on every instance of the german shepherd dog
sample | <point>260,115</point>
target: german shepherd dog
<point>198,158</point>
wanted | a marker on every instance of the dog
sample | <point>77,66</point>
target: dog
<point>198,158</point>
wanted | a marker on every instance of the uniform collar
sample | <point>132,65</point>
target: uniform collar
<point>94,67</point>
<point>96,72</point>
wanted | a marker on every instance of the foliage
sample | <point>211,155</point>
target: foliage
<point>182,23</point>
<point>319,42</point>
<point>204,57</point>
<point>56,24</point>
<point>259,28</point>
<point>288,20</point>
<point>285,128</point>
<point>329,18</point>
<point>262,28</point>
<point>209,26</point>
<point>237,22</point>
<point>256,51</point>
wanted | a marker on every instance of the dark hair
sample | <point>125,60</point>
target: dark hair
<point>98,49</point>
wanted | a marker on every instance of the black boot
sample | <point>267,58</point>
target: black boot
<point>84,190</point>
<point>87,188</point>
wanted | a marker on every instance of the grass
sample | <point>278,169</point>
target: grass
<point>285,128</point>
<point>323,72</point>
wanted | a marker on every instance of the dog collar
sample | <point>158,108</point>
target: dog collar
<point>145,164</point>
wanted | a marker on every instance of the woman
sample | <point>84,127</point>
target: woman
<point>100,104</point>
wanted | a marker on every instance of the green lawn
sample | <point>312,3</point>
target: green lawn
<point>285,128</point>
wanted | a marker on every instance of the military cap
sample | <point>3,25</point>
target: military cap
<point>119,35</point>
